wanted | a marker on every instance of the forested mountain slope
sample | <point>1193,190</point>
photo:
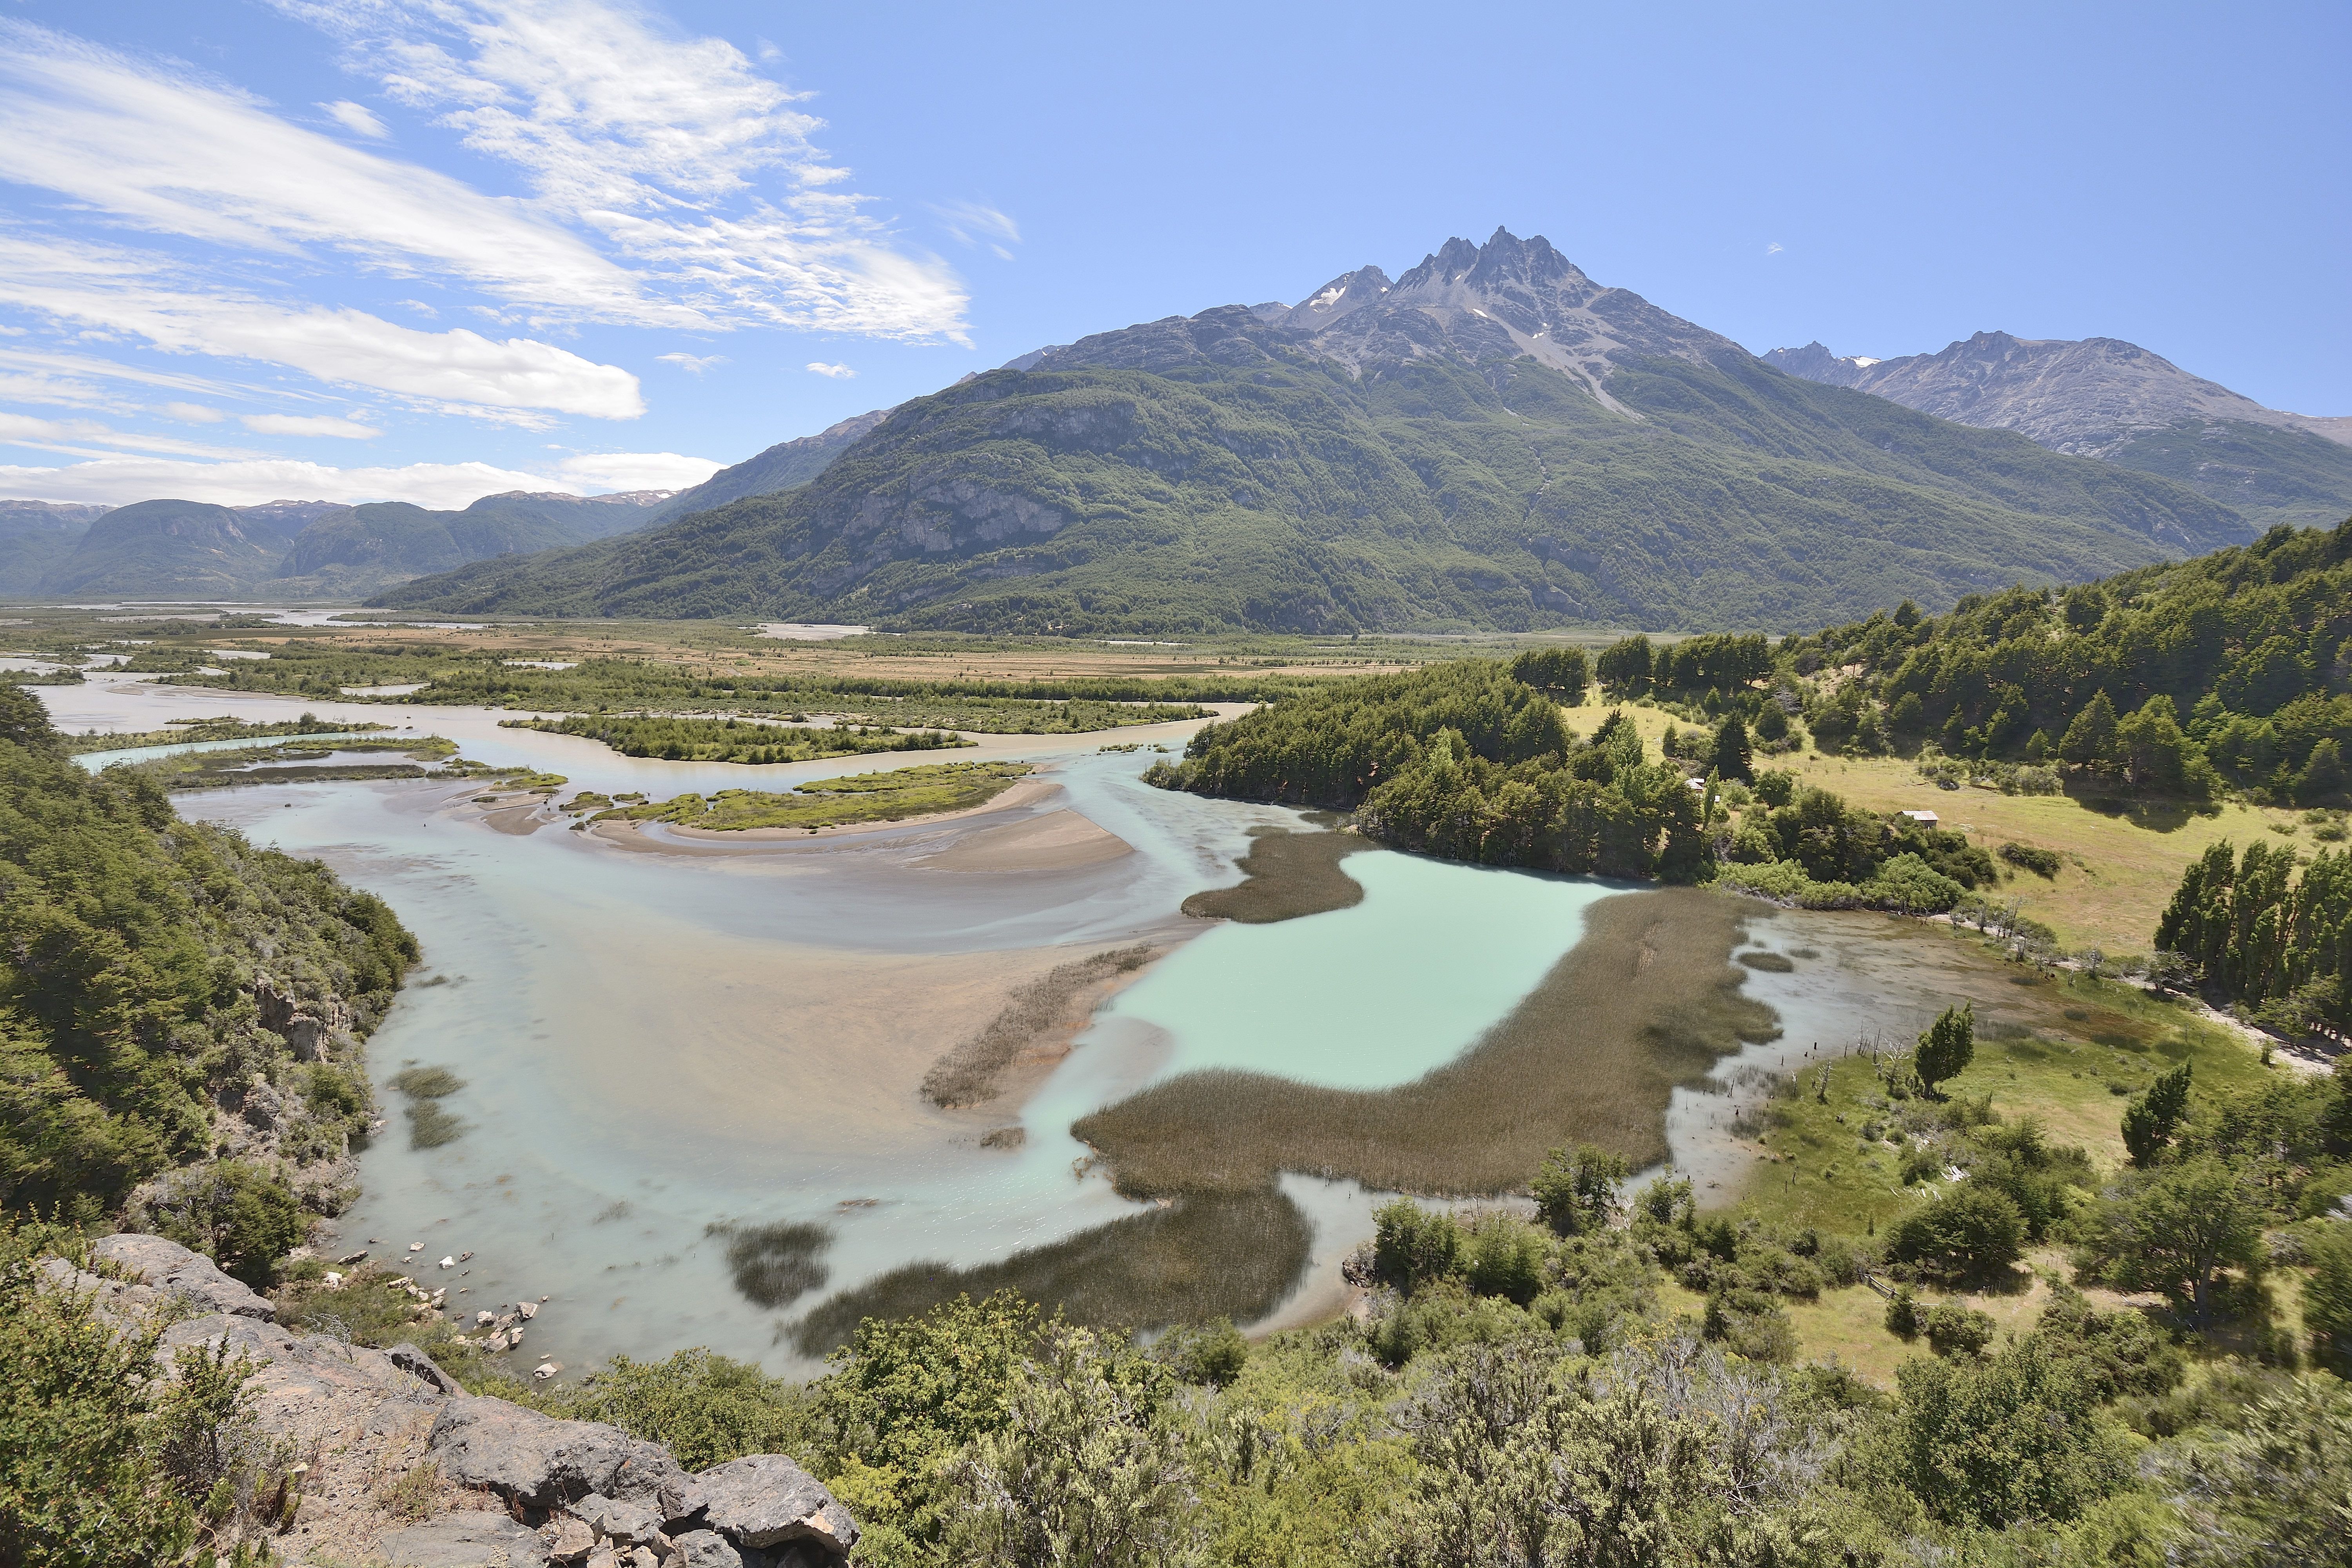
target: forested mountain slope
<point>1490,440</point>
<point>167,993</point>
<point>2105,398</point>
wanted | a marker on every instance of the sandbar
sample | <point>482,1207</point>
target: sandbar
<point>624,834</point>
<point>1058,841</point>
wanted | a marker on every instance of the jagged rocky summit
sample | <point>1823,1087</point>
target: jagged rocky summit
<point>519,1489</point>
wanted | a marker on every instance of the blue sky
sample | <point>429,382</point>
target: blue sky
<point>426,250</point>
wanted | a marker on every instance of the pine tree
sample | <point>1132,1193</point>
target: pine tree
<point>1734,758</point>
<point>2149,1118</point>
<point>1947,1047</point>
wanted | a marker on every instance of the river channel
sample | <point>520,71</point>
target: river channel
<point>660,1051</point>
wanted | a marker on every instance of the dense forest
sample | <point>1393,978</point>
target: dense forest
<point>1466,760</point>
<point>177,1009</point>
<point>2270,931</point>
<point>2226,669</point>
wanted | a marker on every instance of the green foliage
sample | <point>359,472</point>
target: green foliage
<point>2327,1299</point>
<point>1082,1469</point>
<point>132,981</point>
<point>2149,1117</point>
<point>1954,1330</point>
<point>2261,934</point>
<point>1576,1192</point>
<point>1563,673</point>
<point>1412,1246</point>
<point>1212,1353</point>
<point>1734,757</point>
<point>2278,1490</point>
<point>736,739</point>
<point>1903,1314</point>
<point>2010,1438</point>
<point>242,1217</point>
<point>926,790</point>
<point>2176,1230</point>
<point>2246,642</point>
<point>1947,1047</point>
<point>105,1463</point>
<point>707,1407</point>
<point>1970,1233</point>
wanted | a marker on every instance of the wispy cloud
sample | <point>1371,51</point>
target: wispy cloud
<point>308,424</point>
<point>192,414</point>
<point>357,118</point>
<point>1773,248</point>
<point>81,436</point>
<point>693,364</point>
<point>973,223</point>
<point>132,292</point>
<point>674,150</point>
<point>838,372</point>
<point>636,470</point>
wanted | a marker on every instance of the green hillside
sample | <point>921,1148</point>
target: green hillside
<point>167,549</point>
<point>2266,474</point>
<point>1290,495</point>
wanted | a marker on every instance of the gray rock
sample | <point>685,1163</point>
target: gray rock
<point>705,1549</point>
<point>765,1499</point>
<point>168,1266</point>
<point>626,1523</point>
<point>465,1541</point>
<point>417,1363</point>
<point>540,1462</point>
<point>568,1539</point>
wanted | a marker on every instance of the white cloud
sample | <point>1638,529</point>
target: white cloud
<point>195,413</point>
<point>170,154</point>
<point>838,372</point>
<point>118,482</point>
<point>674,149</point>
<point>636,470</point>
<point>693,364</point>
<point>77,436</point>
<point>123,290</point>
<point>39,361</point>
<point>974,223</point>
<point>357,118</point>
<point>1773,248</point>
<point>307,425</point>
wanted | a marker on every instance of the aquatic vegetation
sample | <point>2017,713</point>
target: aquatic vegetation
<point>224,728</point>
<point>426,1083</point>
<point>776,1265</point>
<point>968,1074</point>
<point>735,740</point>
<point>926,791</point>
<point>1286,874</point>
<point>1207,1254</point>
<point>1591,1055</point>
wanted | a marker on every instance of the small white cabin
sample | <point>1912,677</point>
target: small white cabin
<point>1925,818</point>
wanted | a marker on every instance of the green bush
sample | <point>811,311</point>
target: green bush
<point>1954,1330</point>
<point>706,1407</point>
<point>1969,1232</point>
<point>242,1216</point>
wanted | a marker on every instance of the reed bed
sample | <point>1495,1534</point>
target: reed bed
<point>1646,1002</point>
<point>1205,1256</point>
<point>971,1073</point>
<point>1287,875</point>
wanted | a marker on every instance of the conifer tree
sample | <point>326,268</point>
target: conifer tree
<point>1947,1047</point>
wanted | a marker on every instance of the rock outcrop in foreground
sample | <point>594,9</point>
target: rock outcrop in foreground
<point>383,1435</point>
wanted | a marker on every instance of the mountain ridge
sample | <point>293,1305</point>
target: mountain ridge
<point>1491,438</point>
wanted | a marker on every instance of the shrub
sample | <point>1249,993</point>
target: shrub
<point>1947,1047</point>
<point>2041,862</point>
<point>1210,1353</point>
<point>1903,1315</point>
<point>1412,1246</point>
<point>1968,1233</point>
<point>242,1217</point>
<point>1577,1193</point>
<point>707,1407</point>
<point>1954,1330</point>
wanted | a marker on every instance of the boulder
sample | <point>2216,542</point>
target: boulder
<point>540,1462</point>
<point>626,1523</point>
<point>168,1266</point>
<point>705,1549</point>
<point>417,1364</point>
<point>464,1540</point>
<point>765,1499</point>
<point>569,1540</point>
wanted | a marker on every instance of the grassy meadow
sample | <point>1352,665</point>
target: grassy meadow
<point>929,790</point>
<point>1284,875</point>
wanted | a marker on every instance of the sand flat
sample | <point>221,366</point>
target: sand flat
<point>703,841</point>
<point>1058,841</point>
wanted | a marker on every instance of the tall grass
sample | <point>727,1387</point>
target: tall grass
<point>1288,874</point>
<point>1205,1256</point>
<point>1646,1002</point>
<point>970,1074</point>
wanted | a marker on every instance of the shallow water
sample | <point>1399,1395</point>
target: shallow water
<point>654,1045</point>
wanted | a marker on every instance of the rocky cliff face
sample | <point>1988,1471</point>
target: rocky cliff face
<point>383,1434</point>
<point>2082,396</point>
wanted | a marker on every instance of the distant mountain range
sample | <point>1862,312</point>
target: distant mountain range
<point>2105,398</point>
<point>1492,440</point>
<point>193,550</point>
